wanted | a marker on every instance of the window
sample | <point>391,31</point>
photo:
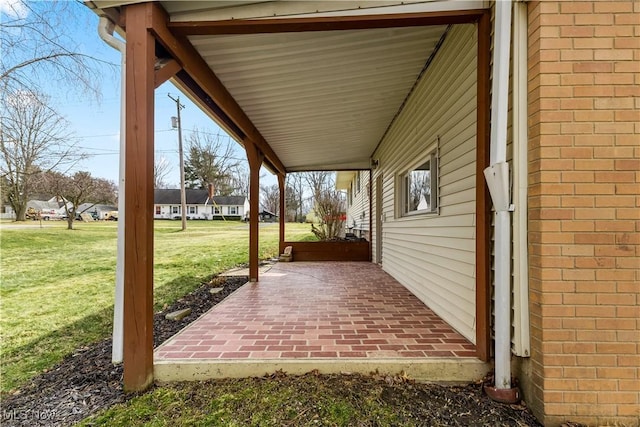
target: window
<point>420,187</point>
<point>358,182</point>
<point>193,209</point>
<point>158,211</point>
<point>233,210</point>
<point>215,210</point>
<point>174,210</point>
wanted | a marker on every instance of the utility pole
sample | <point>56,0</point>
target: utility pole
<point>176,122</point>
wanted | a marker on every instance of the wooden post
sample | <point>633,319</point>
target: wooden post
<point>255,158</point>
<point>138,218</point>
<point>282,188</point>
<point>483,203</point>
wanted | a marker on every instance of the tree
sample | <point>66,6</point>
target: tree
<point>76,189</point>
<point>161,169</point>
<point>329,208</point>
<point>295,196</point>
<point>291,204</point>
<point>319,182</point>
<point>33,139</point>
<point>271,198</point>
<point>209,161</point>
<point>240,180</point>
<point>36,53</point>
<point>328,204</point>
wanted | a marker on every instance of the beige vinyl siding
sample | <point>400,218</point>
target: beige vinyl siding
<point>359,206</point>
<point>433,255</point>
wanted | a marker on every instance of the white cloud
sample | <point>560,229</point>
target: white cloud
<point>14,9</point>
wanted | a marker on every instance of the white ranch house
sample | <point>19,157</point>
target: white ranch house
<point>199,205</point>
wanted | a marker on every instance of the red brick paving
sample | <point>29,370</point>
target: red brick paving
<point>318,310</point>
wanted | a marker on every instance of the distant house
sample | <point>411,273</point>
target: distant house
<point>7,212</point>
<point>97,211</point>
<point>267,216</point>
<point>48,209</point>
<point>199,206</point>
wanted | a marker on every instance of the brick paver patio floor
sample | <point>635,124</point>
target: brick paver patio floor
<point>318,310</point>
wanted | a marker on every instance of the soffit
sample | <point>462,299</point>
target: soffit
<point>322,100</point>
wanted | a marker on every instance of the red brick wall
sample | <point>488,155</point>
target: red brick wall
<point>584,211</point>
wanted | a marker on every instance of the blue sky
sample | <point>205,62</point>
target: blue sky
<point>95,123</point>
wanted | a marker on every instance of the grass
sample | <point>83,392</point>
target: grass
<point>57,285</point>
<point>273,401</point>
<point>313,400</point>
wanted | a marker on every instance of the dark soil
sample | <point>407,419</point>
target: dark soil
<point>86,382</point>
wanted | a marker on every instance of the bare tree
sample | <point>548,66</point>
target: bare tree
<point>240,180</point>
<point>328,204</point>
<point>329,208</point>
<point>319,182</point>
<point>33,139</point>
<point>36,53</point>
<point>210,161</point>
<point>161,169</point>
<point>271,198</point>
<point>76,189</point>
<point>295,196</point>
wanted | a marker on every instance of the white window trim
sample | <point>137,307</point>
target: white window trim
<point>432,153</point>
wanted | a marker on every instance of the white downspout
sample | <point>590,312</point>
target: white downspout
<point>105,30</point>
<point>497,176</point>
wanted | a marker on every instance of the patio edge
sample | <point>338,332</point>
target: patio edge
<point>431,370</point>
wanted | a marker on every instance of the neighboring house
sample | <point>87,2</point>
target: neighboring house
<point>199,206</point>
<point>356,184</point>
<point>267,216</point>
<point>407,86</point>
<point>98,211</point>
<point>49,209</point>
<point>8,212</point>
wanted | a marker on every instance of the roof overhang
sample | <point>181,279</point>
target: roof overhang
<point>315,85</point>
<point>343,179</point>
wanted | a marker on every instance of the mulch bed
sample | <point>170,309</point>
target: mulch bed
<point>86,381</point>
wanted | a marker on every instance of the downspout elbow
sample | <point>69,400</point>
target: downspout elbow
<point>105,31</point>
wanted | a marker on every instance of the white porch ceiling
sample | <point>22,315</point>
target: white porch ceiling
<point>322,100</point>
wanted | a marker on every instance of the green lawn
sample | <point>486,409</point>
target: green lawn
<point>307,400</point>
<point>57,286</point>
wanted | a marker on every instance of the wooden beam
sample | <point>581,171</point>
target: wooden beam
<point>166,71</point>
<point>324,23</point>
<point>483,205</point>
<point>282,189</point>
<point>255,158</point>
<point>184,52</point>
<point>138,216</point>
<point>184,81</point>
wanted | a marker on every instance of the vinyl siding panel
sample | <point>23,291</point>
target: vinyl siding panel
<point>357,222</point>
<point>433,254</point>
